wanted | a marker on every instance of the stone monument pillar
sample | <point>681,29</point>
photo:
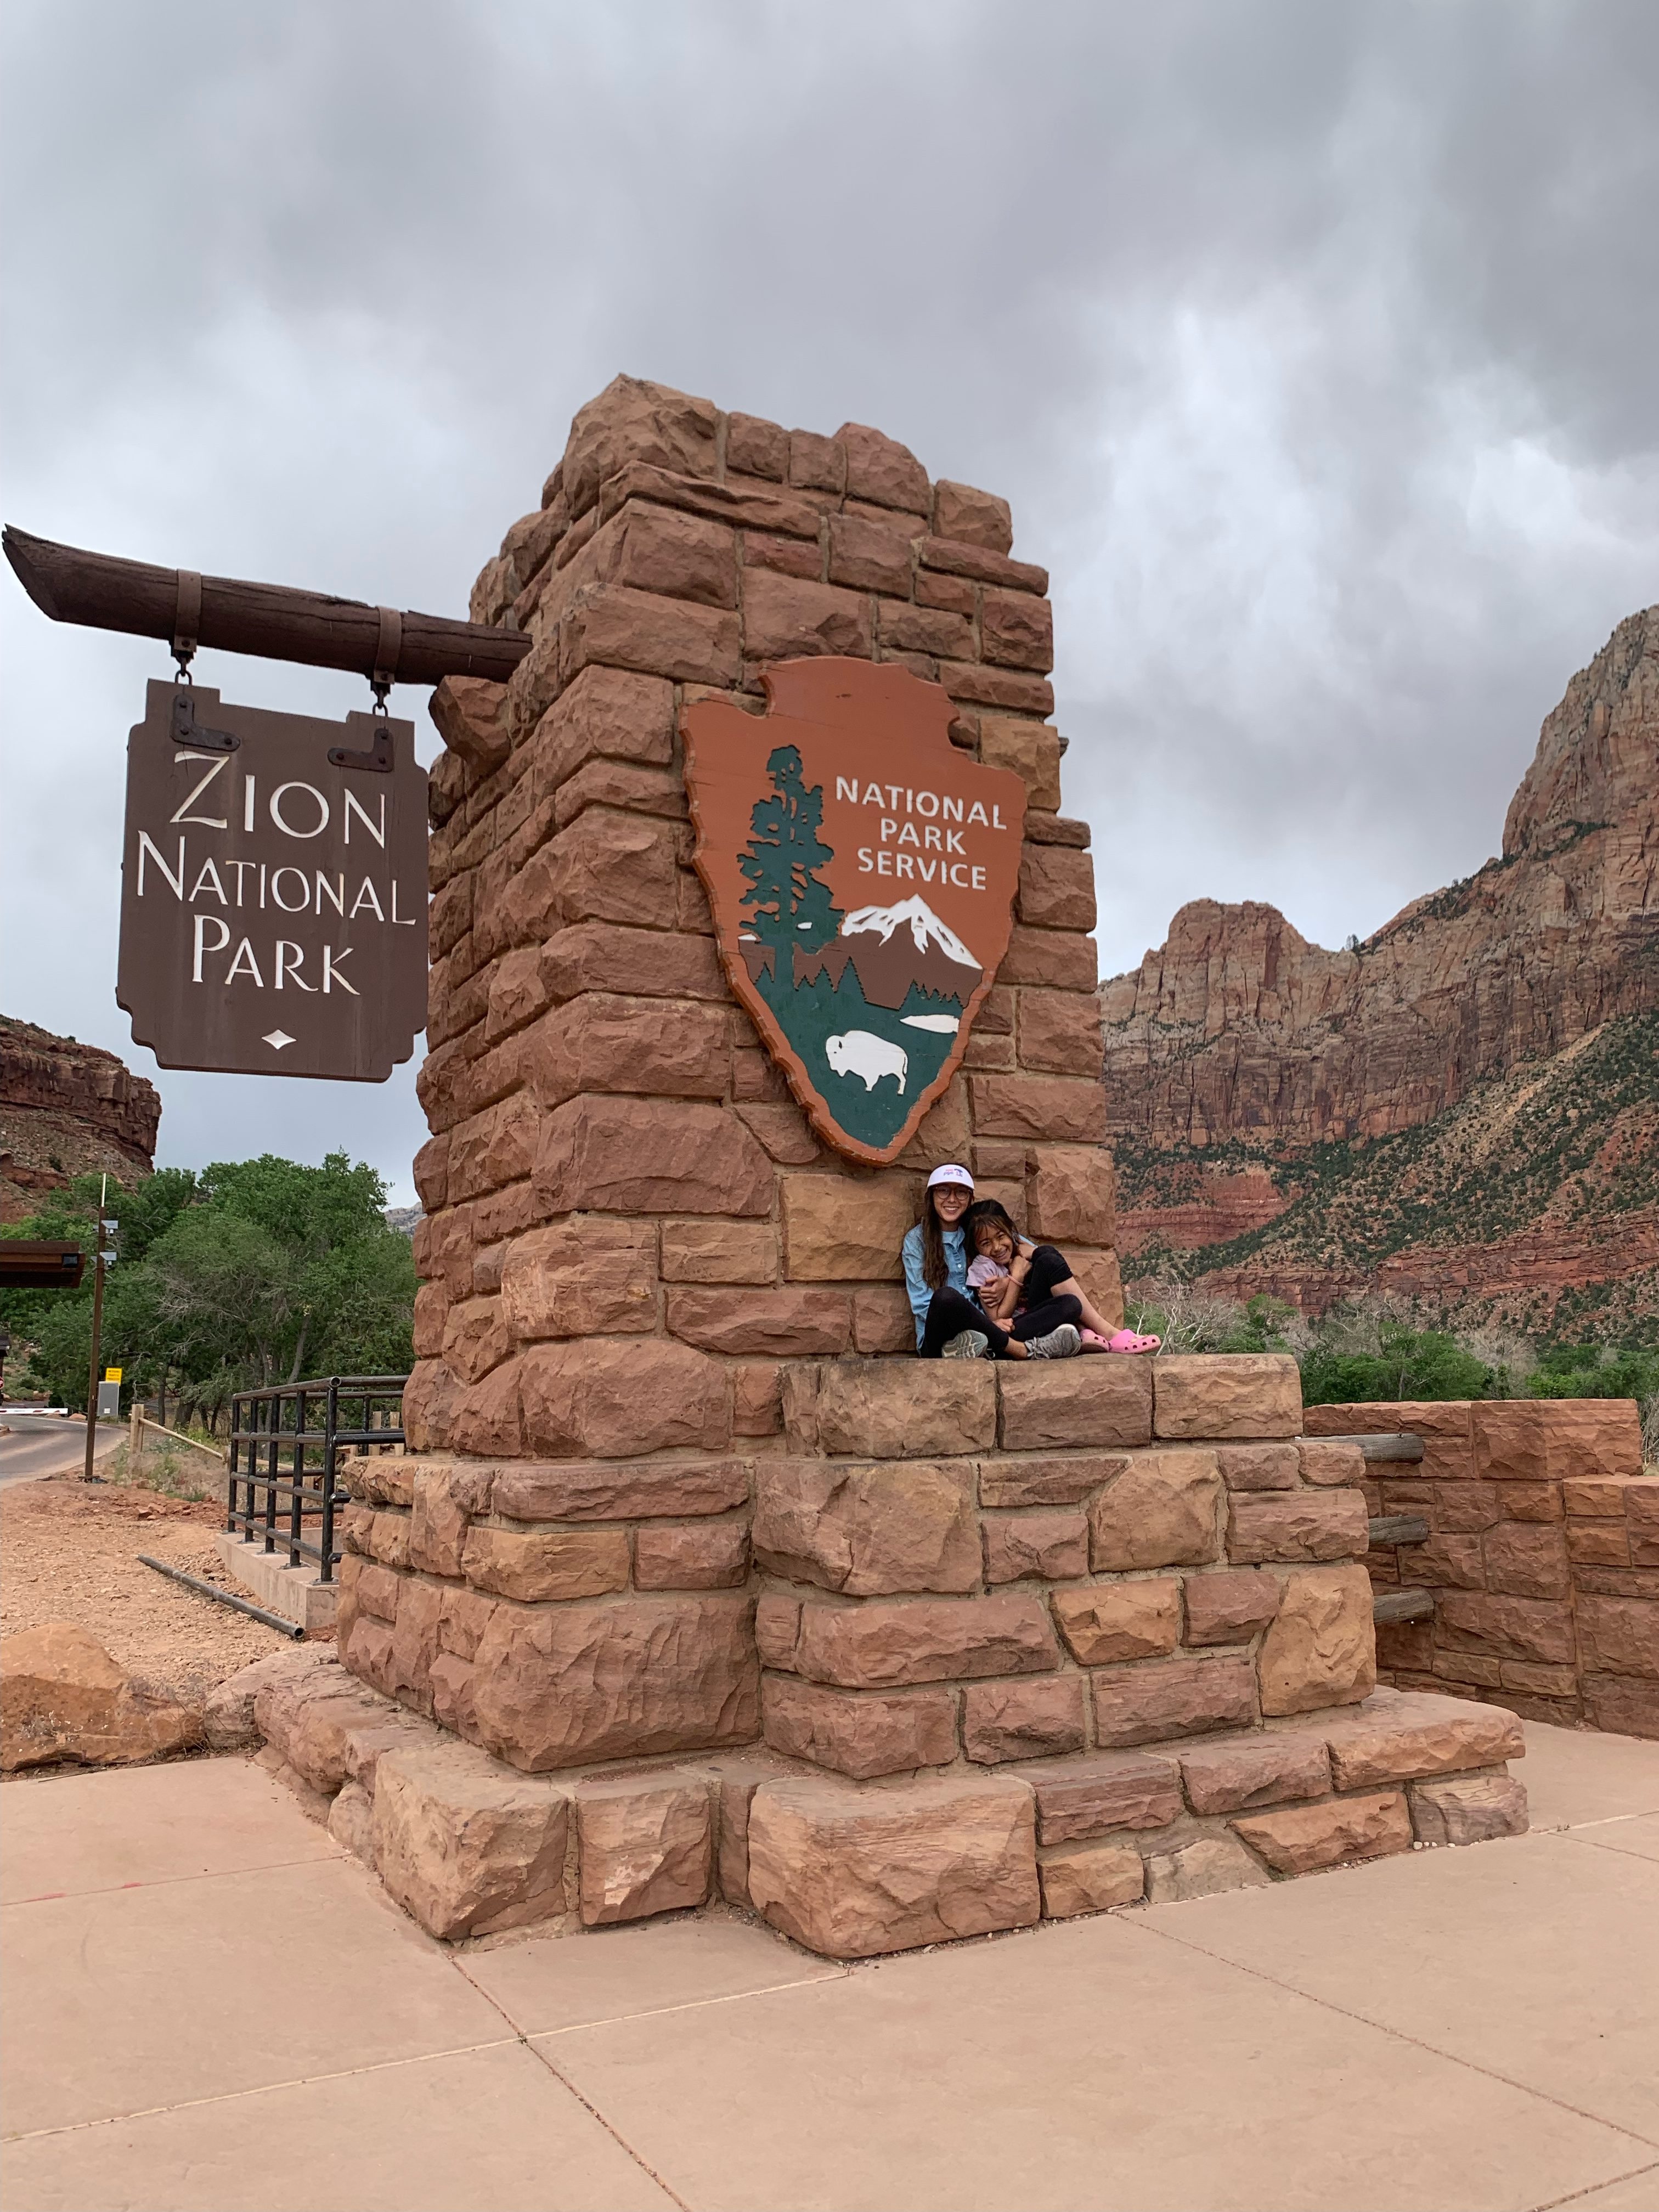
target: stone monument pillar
<point>676,1487</point>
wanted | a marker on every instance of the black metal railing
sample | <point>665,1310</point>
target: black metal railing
<point>291,1507</point>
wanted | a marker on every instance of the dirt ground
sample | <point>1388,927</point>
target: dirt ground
<point>70,1552</point>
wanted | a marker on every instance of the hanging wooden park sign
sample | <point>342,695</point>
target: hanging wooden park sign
<point>274,884</point>
<point>862,872</point>
<point>273,889</point>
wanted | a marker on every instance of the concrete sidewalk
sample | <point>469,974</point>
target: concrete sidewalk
<point>209,2006</point>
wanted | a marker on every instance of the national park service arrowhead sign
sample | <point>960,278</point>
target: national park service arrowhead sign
<point>862,870</point>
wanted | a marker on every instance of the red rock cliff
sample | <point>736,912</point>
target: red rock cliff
<point>1237,1028</point>
<point>67,1109</point>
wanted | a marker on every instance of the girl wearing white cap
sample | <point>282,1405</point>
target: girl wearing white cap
<point>948,1324</point>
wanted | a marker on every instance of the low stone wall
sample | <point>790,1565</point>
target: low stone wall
<point>1543,1555</point>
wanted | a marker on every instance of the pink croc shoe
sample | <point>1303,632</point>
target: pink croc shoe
<point>1127,1341</point>
<point>1093,1341</point>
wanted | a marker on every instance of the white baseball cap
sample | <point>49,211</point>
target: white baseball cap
<point>951,1173</point>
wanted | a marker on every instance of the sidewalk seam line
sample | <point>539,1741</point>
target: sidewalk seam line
<point>171,1880</point>
<point>587,2103</point>
<point>692,2004</point>
<point>1614,2127</point>
<point>1594,2189</point>
<point>257,2089</point>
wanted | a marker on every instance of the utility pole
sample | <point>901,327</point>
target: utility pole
<point>97,1327</point>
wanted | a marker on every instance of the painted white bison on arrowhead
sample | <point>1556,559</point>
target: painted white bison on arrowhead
<point>860,1052</point>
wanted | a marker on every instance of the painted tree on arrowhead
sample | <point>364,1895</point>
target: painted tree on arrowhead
<point>786,904</point>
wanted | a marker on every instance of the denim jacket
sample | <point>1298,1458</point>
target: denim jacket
<point>956,1271</point>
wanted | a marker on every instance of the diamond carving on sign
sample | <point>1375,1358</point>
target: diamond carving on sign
<point>276,1039</point>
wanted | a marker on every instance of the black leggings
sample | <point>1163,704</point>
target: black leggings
<point>949,1313</point>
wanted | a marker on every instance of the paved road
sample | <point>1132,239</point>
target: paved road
<point>44,1443</point>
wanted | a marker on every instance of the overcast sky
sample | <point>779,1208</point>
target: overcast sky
<point>1315,345</point>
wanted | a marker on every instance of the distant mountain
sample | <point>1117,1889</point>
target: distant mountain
<point>895,950</point>
<point>1465,1106</point>
<point>67,1109</point>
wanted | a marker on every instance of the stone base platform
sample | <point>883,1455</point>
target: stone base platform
<point>470,1846</point>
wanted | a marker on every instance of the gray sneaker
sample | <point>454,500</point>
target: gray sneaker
<point>970,1345</point>
<point>1060,1343</point>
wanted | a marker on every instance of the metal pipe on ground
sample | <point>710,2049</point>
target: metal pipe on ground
<point>223,1596</point>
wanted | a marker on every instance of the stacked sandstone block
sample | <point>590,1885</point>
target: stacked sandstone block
<point>1543,1555</point>
<point>630,1221</point>
<point>1012,1643</point>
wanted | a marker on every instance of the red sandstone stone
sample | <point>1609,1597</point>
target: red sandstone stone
<point>604,713</point>
<point>607,623</point>
<point>1070,1193</point>
<point>714,1251</point>
<point>841,1228</point>
<point>777,1628</point>
<point>466,1846</point>
<point>657,549</point>
<point>462,1620</point>
<point>868,557</point>
<point>1062,1481</point>
<point>1060,1034</point>
<point>787,1322</point>
<point>1618,1636</point>
<point>816,463</point>
<point>606,867</point>
<point>580,1279</point>
<point>924,1640</point>
<point>1228,1608</point>
<point>1106,1789</point>
<point>1209,1867</point>
<point>1471,1809</point>
<point>885,472</point>
<point>851,1874</point>
<point>1330,1524</point>
<point>532,1564</point>
<point>1396,1739</point>
<point>1538,1629</point>
<point>1167,1697</point>
<point>756,1399</point>
<point>562,1685</point>
<point>783,1128</point>
<point>1030,1719</point>
<point>467,713</point>
<point>1307,1837</point>
<point>978,684</point>
<point>1249,1395</point>
<point>1061,959</point>
<point>1160,1511</point>
<point>1052,1547</point>
<point>898,1409</point>
<point>1091,1881</point>
<point>635,419</point>
<point>882,1320</point>
<point>1525,1560</point>
<point>1331,1464</point>
<point>901,1525</point>
<point>755,447</point>
<point>1017,630</point>
<point>702,1558</point>
<point>493,1148</point>
<point>1259,1770</point>
<point>647,1845</point>
<point>605,1399</point>
<point>1100,1401</point>
<point>1321,1648</point>
<point>1108,1621</point>
<point>571,1491</point>
<point>860,1733</point>
<point>445,1498</point>
<point>972,518</point>
<point>1040,1107</point>
<point>785,616</point>
<point>642,1156</point>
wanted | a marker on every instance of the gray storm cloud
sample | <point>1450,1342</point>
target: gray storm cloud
<point>1313,347</point>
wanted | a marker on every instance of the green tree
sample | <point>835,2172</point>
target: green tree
<point>1418,1364</point>
<point>787,905</point>
<point>252,1272</point>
